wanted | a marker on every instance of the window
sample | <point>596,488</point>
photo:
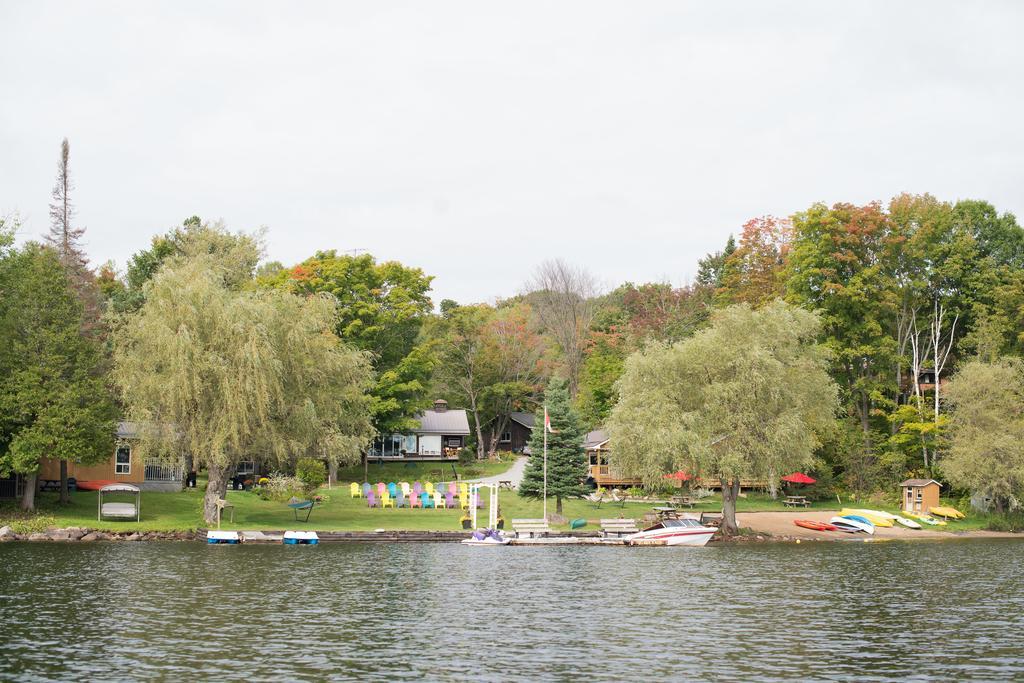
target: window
<point>506,437</point>
<point>123,460</point>
<point>246,467</point>
<point>454,442</point>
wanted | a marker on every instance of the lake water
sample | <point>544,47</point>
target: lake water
<point>187,611</point>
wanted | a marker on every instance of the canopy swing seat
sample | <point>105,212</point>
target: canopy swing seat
<point>118,510</point>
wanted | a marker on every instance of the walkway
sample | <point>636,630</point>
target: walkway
<point>514,474</point>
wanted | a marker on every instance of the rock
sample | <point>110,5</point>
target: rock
<point>89,537</point>
<point>7,534</point>
<point>38,536</point>
<point>59,535</point>
<point>134,536</point>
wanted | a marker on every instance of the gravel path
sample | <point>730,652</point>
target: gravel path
<point>514,474</point>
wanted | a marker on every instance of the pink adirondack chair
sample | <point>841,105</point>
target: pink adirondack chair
<point>453,489</point>
<point>381,488</point>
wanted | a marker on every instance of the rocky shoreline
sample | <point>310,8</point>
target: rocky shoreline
<point>76,534</point>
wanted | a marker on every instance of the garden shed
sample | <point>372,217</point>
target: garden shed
<point>920,495</point>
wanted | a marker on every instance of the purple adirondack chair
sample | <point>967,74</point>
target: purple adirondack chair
<point>371,499</point>
<point>449,500</point>
<point>417,489</point>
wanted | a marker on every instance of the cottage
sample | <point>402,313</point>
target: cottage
<point>920,495</point>
<point>441,434</point>
<point>124,466</point>
<point>515,434</point>
<point>599,468</point>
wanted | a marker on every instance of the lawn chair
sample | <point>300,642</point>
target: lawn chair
<point>597,497</point>
<point>366,489</point>
<point>453,489</point>
<point>400,499</point>
<point>381,488</point>
<point>387,501</point>
<point>404,485</point>
<point>392,490</point>
<point>463,489</point>
<point>296,505</point>
<point>464,501</point>
<point>428,486</point>
<point>449,500</point>
<point>619,498</point>
<point>438,500</point>
<point>355,490</point>
<point>414,500</point>
<point>417,489</point>
<point>427,501</point>
<point>371,499</point>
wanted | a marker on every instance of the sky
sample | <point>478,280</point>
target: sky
<point>475,140</point>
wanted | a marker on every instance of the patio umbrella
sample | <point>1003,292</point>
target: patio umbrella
<point>679,476</point>
<point>799,478</point>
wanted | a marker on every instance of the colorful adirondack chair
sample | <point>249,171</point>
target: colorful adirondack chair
<point>414,501</point>
<point>463,489</point>
<point>371,499</point>
<point>392,490</point>
<point>428,502</point>
<point>387,501</point>
<point>381,488</point>
<point>463,502</point>
<point>438,500</point>
<point>404,485</point>
<point>400,499</point>
<point>417,488</point>
<point>366,489</point>
<point>428,486</point>
<point>355,490</point>
<point>453,488</point>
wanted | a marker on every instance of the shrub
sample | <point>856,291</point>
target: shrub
<point>466,456</point>
<point>1010,522</point>
<point>281,487</point>
<point>311,472</point>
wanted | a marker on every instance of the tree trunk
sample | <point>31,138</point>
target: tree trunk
<point>216,488</point>
<point>332,474</point>
<point>479,429</point>
<point>28,498</point>
<point>65,497</point>
<point>558,505</point>
<point>730,492</point>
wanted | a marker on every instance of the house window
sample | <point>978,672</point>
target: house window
<point>506,437</point>
<point>454,442</point>
<point>246,467</point>
<point>123,460</point>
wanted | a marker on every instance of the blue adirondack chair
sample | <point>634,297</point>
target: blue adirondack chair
<point>366,489</point>
<point>393,490</point>
<point>427,500</point>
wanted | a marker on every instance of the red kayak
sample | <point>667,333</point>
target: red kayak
<point>816,526</point>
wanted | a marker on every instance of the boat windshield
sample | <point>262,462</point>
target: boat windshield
<point>681,523</point>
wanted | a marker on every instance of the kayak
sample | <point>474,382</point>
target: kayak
<point>852,525</point>
<point>878,519</point>
<point>909,523</point>
<point>950,513</point>
<point>816,526</point>
<point>876,513</point>
<point>927,519</point>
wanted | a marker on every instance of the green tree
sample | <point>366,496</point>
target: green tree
<point>223,373</point>
<point>381,308</point>
<point>749,397</point>
<point>986,453</point>
<point>53,400</point>
<point>566,459</point>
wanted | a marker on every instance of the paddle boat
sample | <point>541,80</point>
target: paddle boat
<point>852,524</point>
<point>815,526</point>
<point>684,530</point>
<point>487,537</point>
<point>215,537</point>
<point>947,512</point>
<point>300,538</point>
<point>909,523</point>
<point>874,516</point>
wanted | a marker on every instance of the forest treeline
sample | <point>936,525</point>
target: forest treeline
<point>906,294</point>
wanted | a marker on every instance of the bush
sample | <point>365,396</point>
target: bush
<point>466,456</point>
<point>1011,522</point>
<point>311,472</point>
<point>281,487</point>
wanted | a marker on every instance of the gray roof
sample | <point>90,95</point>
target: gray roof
<point>525,419</point>
<point>451,421</point>
<point>596,438</point>
<point>920,482</point>
<point>127,430</point>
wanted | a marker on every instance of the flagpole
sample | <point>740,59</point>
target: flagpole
<point>545,462</point>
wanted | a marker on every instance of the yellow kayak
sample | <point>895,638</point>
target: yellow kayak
<point>875,517</point>
<point>927,519</point>
<point>951,513</point>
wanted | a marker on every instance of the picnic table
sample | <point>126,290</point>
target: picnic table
<point>666,512</point>
<point>796,501</point>
<point>680,501</point>
<point>505,484</point>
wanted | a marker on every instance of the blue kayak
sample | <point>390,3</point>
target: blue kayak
<point>858,518</point>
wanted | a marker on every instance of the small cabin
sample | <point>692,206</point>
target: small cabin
<point>920,495</point>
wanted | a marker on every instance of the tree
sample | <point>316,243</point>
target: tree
<point>381,308</point>
<point>222,373</point>
<point>749,397</point>
<point>752,272</point>
<point>566,459</point>
<point>711,268</point>
<point>562,297</point>
<point>986,453</point>
<point>53,400</point>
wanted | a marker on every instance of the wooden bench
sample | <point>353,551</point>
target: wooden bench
<point>618,527</point>
<point>531,527</point>
<point>682,501</point>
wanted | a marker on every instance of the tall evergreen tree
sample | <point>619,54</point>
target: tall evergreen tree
<point>567,463</point>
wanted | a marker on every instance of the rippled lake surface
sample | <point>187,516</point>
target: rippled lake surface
<point>177,611</point>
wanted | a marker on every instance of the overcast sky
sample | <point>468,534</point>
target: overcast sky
<point>475,140</point>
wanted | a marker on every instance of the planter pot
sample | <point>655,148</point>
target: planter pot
<point>467,524</point>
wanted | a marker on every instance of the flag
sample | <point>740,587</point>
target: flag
<point>547,422</point>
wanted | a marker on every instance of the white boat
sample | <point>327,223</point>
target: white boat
<point>682,531</point>
<point>847,524</point>
<point>909,523</point>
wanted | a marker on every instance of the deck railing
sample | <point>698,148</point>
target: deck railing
<point>165,473</point>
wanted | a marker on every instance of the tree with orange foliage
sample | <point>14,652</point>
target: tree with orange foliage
<point>753,273</point>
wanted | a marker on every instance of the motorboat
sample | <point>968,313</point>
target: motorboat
<point>487,537</point>
<point>683,530</point>
<point>852,525</point>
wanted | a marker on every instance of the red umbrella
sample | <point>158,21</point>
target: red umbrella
<point>680,476</point>
<point>799,478</point>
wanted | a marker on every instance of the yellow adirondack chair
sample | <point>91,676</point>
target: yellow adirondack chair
<point>464,501</point>
<point>428,487</point>
<point>387,501</point>
<point>463,489</point>
<point>356,489</point>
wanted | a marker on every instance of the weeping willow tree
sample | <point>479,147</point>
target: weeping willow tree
<point>746,398</point>
<point>209,369</point>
